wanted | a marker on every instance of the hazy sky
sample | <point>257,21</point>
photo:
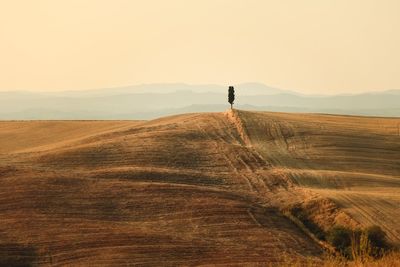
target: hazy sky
<point>313,46</point>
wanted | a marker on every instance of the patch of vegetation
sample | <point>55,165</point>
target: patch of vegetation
<point>340,238</point>
<point>377,237</point>
<point>359,244</point>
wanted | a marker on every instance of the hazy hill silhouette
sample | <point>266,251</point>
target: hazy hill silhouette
<point>152,101</point>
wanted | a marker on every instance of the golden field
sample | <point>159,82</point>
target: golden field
<point>193,189</point>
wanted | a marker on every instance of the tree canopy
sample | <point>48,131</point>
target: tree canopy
<point>231,95</point>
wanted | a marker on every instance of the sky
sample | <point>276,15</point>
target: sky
<point>312,46</point>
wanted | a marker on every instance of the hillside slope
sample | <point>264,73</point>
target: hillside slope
<point>192,189</point>
<point>354,161</point>
<point>177,190</point>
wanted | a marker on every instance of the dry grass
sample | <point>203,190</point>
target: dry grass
<point>353,161</point>
<point>174,191</point>
<point>389,260</point>
<point>195,189</point>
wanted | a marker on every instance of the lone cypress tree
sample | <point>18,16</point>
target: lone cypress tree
<point>231,95</point>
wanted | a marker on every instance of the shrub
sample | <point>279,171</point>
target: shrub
<point>377,238</point>
<point>340,238</point>
<point>358,244</point>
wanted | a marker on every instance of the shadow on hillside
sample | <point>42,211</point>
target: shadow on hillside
<point>17,255</point>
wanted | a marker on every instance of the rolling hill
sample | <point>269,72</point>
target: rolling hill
<point>192,189</point>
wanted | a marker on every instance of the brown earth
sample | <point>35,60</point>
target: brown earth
<point>195,189</point>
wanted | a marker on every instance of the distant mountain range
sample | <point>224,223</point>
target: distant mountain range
<point>155,100</point>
